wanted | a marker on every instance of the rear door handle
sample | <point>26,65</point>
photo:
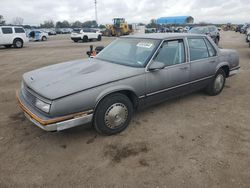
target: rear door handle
<point>183,68</point>
<point>213,61</point>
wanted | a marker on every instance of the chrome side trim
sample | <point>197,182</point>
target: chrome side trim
<point>181,85</point>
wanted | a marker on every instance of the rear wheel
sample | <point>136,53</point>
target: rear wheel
<point>113,114</point>
<point>44,38</point>
<point>217,84</point>
<point>75,40</point>
<point>18,43</point>
<point>85,39</point>
<point>216,40</point>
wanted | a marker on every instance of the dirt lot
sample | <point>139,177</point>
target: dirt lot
<point>194,141</point>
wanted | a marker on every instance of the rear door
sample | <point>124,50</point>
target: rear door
<point>172,80</point>
<point>203,60</point>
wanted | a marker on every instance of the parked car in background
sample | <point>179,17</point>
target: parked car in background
<point>38,35</point>
<point>132,72</point>
<point>85,35</point>
<point>63,30</point>
<point>12,36</point>
<point>248,34</point>
<point>51,31</point>
<point>238,28</point>
<point>211,31</point>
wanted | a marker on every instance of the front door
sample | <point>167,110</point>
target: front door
<point>172,80</point>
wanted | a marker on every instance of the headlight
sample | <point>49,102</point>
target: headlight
<point>42,105</point>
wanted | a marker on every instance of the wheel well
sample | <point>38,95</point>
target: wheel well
<point>130,94</point>
<point>17,38</point>
<point>226,70</point>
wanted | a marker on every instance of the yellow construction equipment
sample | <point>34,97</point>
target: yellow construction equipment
<point>120,27</point>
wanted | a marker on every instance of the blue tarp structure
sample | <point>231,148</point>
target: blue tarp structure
<point>175,20</point>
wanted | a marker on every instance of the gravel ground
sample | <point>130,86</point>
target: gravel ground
<point>193,141</point>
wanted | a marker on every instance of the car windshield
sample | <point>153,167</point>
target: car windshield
<point>133,52</point>
<point>199,30</point>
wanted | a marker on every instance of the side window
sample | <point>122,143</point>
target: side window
<point>198,49</point>
<point>211,50</point>
<point>19,30</point>
<point>7,30</point>
<point>171,53</point>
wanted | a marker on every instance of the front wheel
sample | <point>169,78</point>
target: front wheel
<point>85,39</point>
<point>99,38</point>
<point>217,84</point>
<point>113,114</point>
<point>18,43</point>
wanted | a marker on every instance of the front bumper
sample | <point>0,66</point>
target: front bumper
<point>54,124</point>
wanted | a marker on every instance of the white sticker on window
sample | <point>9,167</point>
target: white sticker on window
<point>144,45</point>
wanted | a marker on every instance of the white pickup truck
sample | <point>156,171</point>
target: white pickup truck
<point>12,36</point>
<point>85,35</point>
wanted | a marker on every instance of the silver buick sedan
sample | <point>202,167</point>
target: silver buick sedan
<point>130,73</point>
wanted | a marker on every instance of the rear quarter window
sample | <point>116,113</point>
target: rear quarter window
<point>19,30</point>
<point>7,30</point>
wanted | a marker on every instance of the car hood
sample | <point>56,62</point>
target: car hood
<point>63,79</point>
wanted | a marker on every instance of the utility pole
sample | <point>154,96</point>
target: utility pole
<point>96,12</point>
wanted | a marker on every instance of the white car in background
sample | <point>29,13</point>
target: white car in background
<point>12,36</point>
<point>85,35</point>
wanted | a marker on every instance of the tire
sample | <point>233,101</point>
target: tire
<point>18,43</point>
<point>99,38</point>
<point>8,46</point>
<point>216,40</point>
<point>249,44</point>
<point>217,84</point>
<point>85,39</point>
<point>75,40</point>
<point>44,38</point>
<point>106,113</point>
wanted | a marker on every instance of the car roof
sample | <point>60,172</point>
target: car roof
<point>11,26</point>
<point>162,35</point>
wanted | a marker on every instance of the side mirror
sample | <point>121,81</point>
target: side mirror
<point>156,66</point>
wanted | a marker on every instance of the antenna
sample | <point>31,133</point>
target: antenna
<point>96,12</point>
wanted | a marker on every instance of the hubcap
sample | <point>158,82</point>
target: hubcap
<point>219,81</point>
<point>18,43</point>
<point>116,115</point>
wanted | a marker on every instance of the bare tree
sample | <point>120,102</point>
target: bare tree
<point>17,21</point>
<point>2,21</point>
<point>47,24</point>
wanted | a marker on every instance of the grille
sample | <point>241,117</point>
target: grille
<point>30,98</point>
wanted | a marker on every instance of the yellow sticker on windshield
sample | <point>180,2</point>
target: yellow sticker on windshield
<point>144,45</point>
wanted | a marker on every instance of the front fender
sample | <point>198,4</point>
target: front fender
<point>113,89</point>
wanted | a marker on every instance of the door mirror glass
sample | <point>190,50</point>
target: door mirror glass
<point>156,65</point>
